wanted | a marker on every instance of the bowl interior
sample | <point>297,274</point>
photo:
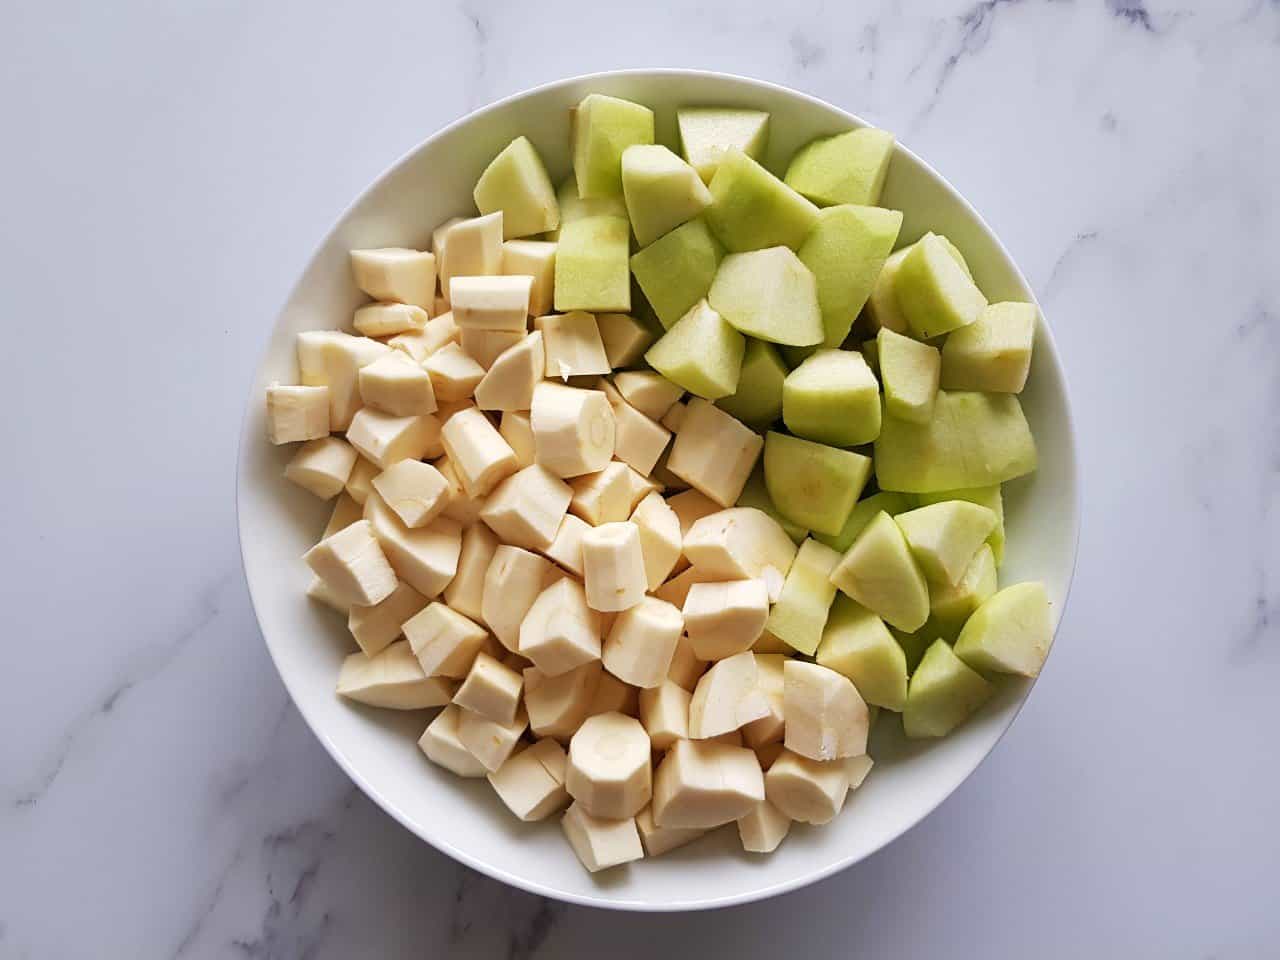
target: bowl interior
<point>378,748</point>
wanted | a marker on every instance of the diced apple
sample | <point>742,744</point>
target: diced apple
<point>910,371</point>
<point>826,719</point>
<point>560,631</point>
<point>516,183</point>
<point>945,536</point>
<point>988,497</point>
<point>592,265</point>
<point>756,494</point>
<point>472,248</point>
<point>752,209</point>
<point>800,614</point>
<point>701,353</point>
<point>813,485</point>
<point>1009,632</point>
<point>661,190</point>
<point>392,679</point>
<point>573,429</point>
<point>321,467</point>
<point>804,790</point>
<point>992,354</point>
<point>353,564</point>
<point>882,309</point>
<point>857,644</point>
<point>943,693</point>
<point>442,746</point>
<point>880,572</point>
<point>609,772</point>
<point>603,128</point>
<point>676,270</point>
<point>707,132</point>
<point>847,168</point>
<point>832,398</point>
<point>863,512</point>
<point>934,292</point>
<point>535,259</point>
<point>531,782</point>
<point>758,398</point>
<point>297,413</point>
<point>396,274</point>
<point>713,452</point>
<point>950,605</point>
<point>768,294</point>
<point>725,618</point>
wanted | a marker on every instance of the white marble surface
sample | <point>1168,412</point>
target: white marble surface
<point>168,167</point>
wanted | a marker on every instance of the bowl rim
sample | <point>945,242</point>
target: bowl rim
<point>495,871</point>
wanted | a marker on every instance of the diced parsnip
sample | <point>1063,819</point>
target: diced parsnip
<point>465,592</point>
<point>675,416</point>
<point>686,668</point>
<point>600,844</point>
<point>333,359</point>
<point>531,782</point>
<point>297,413</point>
<point>360,482</point>
<point>438,237</point>
<point>388,319</point>
<point>809,791</point>
<point>944,537</point>
<point>770,678</point>
<point>527,508</point>
<point>741,543</point>
<point>573,429</point>
<point>725,618</point>
<point>642,641</point>
<point>566,548</point>
<point>511,585</point>
<point>462,508</point>
<point>345,512</point>
<point>664,711</point>
<point>477,451</point>
<point>518,432</point>
<point>676,590</point>
<point>625,338</point>
<point>857,768</point>
<point>660,538</point>
<point>426,558</point>
<point>397,385</point>
<point>491,690</point>
<point>443,746</point>
<point>392,679</point>
<point>397,274</point>
<point>384,438</point>
<point>573,345</point>
<point>613,566</point>
<point>490,742</point>
<point>416,491</point>
<point>659,840</point>
<point>510,381</point>
<point>769,752</point>
<point>444,641</point>
<point>454,373</point>
<point>603,497</point>
<point>714,452</point>
<point>702,785</point>
<point>638,440</point>
<point>826,719</point>
<point>614,696</point>
<point>764,828</point>
<point>420,344</point>
<point>535,259</point>
<point>353,564</point>
<point>560,631</point>
<point>728,697</point>
<point>322,466</point>
<point>491,303</point>
<point>558,704</point>
<point>472,248</point>
<point>375,627</point>
<point>485,346</point>
<point>650,393</point>
<point>321,592</point>
<point>609,771</point>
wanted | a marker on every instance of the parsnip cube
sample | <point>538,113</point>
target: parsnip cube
<point>560,631</point>
<point>638,441</point>
<point>438,237</point>
<point>686,668</point>
<point>702,785</point>
<point>770,679</point>
<point>510,381</point>
<point>809,791</point>
<point>527,509</point>
<point>535,259</point>
<point>725,618</point>
<point>420,344</point>
<point>573,345</point>
<point>558,705</point>
<point>472,248</point>
<point>826,719</point>
<point>392,679</point>
<point>345,512</point>
<point>442,745</point>
<point>454,374</point>
<point>573,429</point>
<point>477,451</point>
<point>675,416</point>
<point>297,413</point>
<point>321,592</point>
<point>763,828</point>
<point>659,840</point>
<point>491,303</point>
<point>690,506</point>
<point>353,564</point>
<point>385,438</point>
<point>518,432</point>
<point>660,539</point>
<point>396,273</point>
<point>650,393</point>
<point>490,742</point>
<point>741,543</point>
<point>444,641</point>
<point>321,467</point>
<point>511,585</point>
<point>465,592</point>
<point>600,844</point>
<point>857,768</point>
<point>333,359</point>
<point>462,507</point>
<point>426,558</point>
<point>388,319</point>
<point>416,491</point>
<point>664,712</point>
<point>360,482</point>
<point>491,690</point>
<point>485,346</point>
<point>625,339</point>
<point>531,782</point>
<point>767,753</point>
<point>397,385</point>
<point>609,771</point>
<point>375,627</point>
<point>713,452</point>
<point>613,566</point>
<point>727,697</point>
<point>566,548</point>
<point>614,696</point>
<point>642,642</point>
<point>602,497</point>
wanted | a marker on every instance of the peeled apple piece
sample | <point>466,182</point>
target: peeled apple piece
<point>700,785</point>
<point>799,616</point>
<point>882,308</point>
<point>858,645</point>
<point>675,271</point>
<point>880,572</point>
<point>574,207</point>
<point>934,292</point>
<point>598,843</point>
<point>560,632</point>
<point>701,353</point>
<point>832,398</point>
<point>392,679</point>
<point>943,693</point>
<point>945,537</point>
<point>992,354</point>
<point>847,168</point>
<point>516,183</point>
<point>741,543</point>
<point>297,413</point>
<point>396,274</point>
<point>713,452</point>
<point>609,772</point>
<point>863,512</point>
<point>768,294</point>
<point>707,132</point>
<point>661,190</point>
<point>758,399</point>
<point>813,485</point>
<point>573,429</point>
<point>593,265</point>
<point>826,719</point>
<point>602,129</point>
<point>352,563</point>
<point>910,371</point>
<point>756,494</point>
<point>807,791</point>
<point>727,697</point>
<point>1009,633</point>
<point>988,497</point>
<point>752,209</point>
<point>950,605</point>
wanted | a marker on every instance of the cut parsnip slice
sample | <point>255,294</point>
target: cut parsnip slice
<point>490,302</point>
<point>353,564</point>
<point>360,482</point>
<point>375,627</point>
<point>491,690</point>
<point>826,719</point>
<point>518,432</point>
<point>625,338</point>
<point>388,319</point>
<point>443,747</point>
<point>397,385</point>
<point>462,507</point>
<point>527,508</point>
<point>686,668</point>
<point>560,631</point>
<point>638,441</point>
<point>392,679</point>
<point>444,641</point>
<point>609,771</point>
<point>321,592</point>
<point>604,496</point>
<point>465,592</point>
<point>333,359</point>
<point>297,413</point>
<point>659,840</point>
<point>558,705</point>
<point>770,678</point>
<point>713,452</point>
<point>809,791</point>
<point>664,712</point>
<point>477,451</point>
<point>642,642</point>
<point>573,345</point>
<point>614,696</point>
<point>650,393</point>
<point>321,467</point>
<point>725,618</point>
<point>416,491</point>
<point>535,259</point>
<point>427,558</point>
<point>384,438</point>
<point>573,429</point>
<point>396,273</point>
<point>510,381</point>
<point>613,566</point>
<point>764,828</point>
<point>485,346</point>
<point>701,785</point>
<point>566,548</point>
<point>511,585</point>
<point>857,768</point>
<point>420,344</point>
<point>660,538</point>
<point>676,590</point>
<point>727,697</point>
<point>472,248</point>
<point>741,543</point>
<point>454,373</point>
<point>488,741</point>
<point>600,844</point>
<point>531,782</point>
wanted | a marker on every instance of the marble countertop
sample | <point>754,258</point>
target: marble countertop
<point>169,168</point>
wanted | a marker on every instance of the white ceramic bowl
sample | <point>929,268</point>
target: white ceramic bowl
<point>378,748</point>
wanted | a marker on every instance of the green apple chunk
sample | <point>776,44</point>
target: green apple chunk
<point>591,266</point>
<point>603,127</point>
<point>707,132</point>
<point>992,354</point>
<point>870,350</point>
<point>1009,633</point>
<point>847,168</point>
<point>752,209</point>
<point>845,252</point>
<point>882,309</point>
<point>812,484</point>
<point>950,605</point>
<point>910,371</point>
<point>880,572</point>
<point>863,512</point>
<point>661,190</point>
<point>756,494</point>
<point>833,398</point>
<point>915,644</point>
<point>701,353</point>
<point>516,183</point>
<point>946,536</point>
<point>988,497</point>
<point>973,440</point>
<point>857,644</point>
<point>573,207</point>
<point>768,294</point>
<point>800,614</point>
<point>943,693</point>
<point>676,270</point>
<point>934,292</point>
<point>758,400</point>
